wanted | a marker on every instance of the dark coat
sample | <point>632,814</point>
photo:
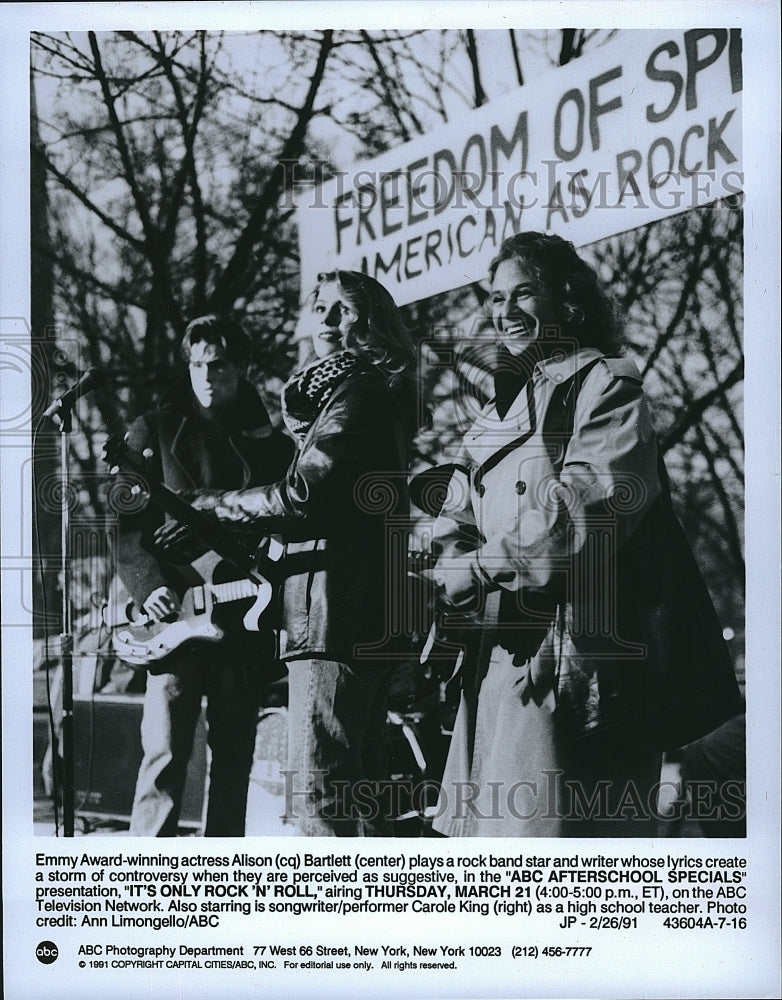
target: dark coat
<point>188,454</point>
<point>343,561</point>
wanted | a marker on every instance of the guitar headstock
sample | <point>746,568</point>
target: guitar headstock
<point>120,458</point>
<point>127,464</point>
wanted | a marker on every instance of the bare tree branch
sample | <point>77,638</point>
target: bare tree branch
<point>130,175</point>
<point>572,44</point>
<point>77,192</point>
<point>516,58</point>
<point>688,287</point>
<point>225,290</point>
<point>387,85</point>
<point>728,517</point>
<point>472,52</point>
<point>699,406</point>
<point>189,129</point>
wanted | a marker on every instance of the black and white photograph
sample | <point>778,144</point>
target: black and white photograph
<point>390,442</point>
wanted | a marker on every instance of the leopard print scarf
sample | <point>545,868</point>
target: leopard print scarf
<point>307,392</point>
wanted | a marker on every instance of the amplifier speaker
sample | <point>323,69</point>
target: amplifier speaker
<point>107,754</point>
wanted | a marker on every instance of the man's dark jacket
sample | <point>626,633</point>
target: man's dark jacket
<point>191,453</point>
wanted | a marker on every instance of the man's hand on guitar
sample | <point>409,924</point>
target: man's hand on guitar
<point>162,605</point>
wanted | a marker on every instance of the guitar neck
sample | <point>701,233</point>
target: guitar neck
<point>211,534</point>
<point>233,590</point>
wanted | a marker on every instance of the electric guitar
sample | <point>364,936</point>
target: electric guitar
<point>231,583</point>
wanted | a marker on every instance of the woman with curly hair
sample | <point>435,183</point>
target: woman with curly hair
<point>352,413</point>
<point>549,544</point>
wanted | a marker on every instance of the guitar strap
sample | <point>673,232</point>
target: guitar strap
<point>560,415</point>
<point>558,422</point>
<point>511,446</point>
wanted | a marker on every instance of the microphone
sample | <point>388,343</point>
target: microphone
<point>91,379</point>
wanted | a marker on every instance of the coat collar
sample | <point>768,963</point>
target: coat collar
<point>249,422</point>
<point>249,414</point>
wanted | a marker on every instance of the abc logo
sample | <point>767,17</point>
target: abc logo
<point>47,952</point>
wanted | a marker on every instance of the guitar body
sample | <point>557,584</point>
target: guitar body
<point>147,644</point>
<point>222,592</point>
<point>222,601</point>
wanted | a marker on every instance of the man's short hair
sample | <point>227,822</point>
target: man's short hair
<point>219,331</point>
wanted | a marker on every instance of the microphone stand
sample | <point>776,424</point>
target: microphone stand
<point>60,412</point>
<point>63,420</point>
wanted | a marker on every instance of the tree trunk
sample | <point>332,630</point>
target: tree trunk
<point>46,546</point>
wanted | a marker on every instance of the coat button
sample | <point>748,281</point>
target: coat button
<point>480,489</point>
<point>521,487</point>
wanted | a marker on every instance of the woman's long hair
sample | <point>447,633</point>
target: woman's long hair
<point>587,313</point>
<point>380,334</point>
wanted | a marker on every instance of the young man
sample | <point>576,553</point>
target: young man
<point>210,431</point>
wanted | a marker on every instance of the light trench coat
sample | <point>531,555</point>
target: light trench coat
<point>532,519</point>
